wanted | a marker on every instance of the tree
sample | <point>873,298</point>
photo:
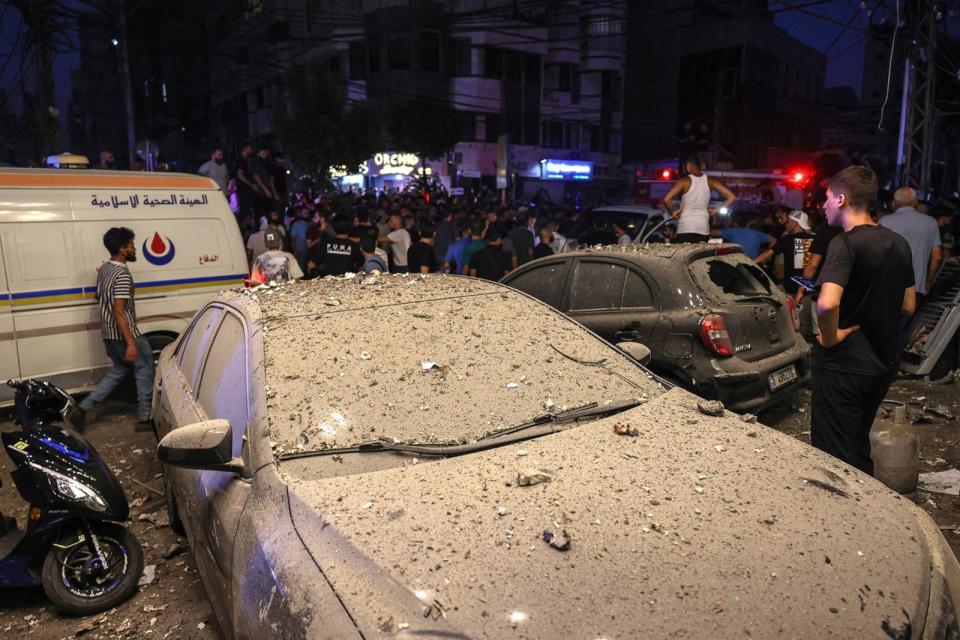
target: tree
<point>319,128</point>
<point>428,127</point>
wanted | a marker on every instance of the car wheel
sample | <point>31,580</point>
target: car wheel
<point>157,343</point>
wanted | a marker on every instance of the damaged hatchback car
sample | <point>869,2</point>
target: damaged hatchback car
<point>442,457</point>
<point>713,321</point>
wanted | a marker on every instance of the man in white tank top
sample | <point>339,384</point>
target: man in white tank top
<point>695,211</point>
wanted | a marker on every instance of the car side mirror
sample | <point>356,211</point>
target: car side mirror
<point>636,350</point>
<point>204,445</point>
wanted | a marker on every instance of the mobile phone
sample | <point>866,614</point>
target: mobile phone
<point>809,285</point>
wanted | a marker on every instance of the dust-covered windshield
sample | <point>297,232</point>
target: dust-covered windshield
<point>438,365</point>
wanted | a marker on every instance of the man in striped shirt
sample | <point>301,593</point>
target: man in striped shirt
<point>127,349</point>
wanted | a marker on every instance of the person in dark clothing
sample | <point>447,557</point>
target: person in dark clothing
<point>246,187</point>
<point>521,239</point>
<point>341,254</point>
<point>491,262</point>
<point>420,257</point>
<point>794,247</point>
<point>544,249</point>
<point>446,234</point>
<point>865,286</point>
<point>598,235</point>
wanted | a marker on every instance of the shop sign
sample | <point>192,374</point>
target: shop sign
<point>566,170</point>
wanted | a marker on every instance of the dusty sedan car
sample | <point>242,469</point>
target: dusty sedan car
<point>439,457</point>
<point>713,321</point>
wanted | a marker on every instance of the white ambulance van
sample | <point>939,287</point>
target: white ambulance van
<point>51,244</point>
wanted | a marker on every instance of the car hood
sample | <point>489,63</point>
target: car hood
<point>696,527</point>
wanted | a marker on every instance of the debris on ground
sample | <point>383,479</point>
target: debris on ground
<point>625,430</point>
<point>749,418</point>
<point>559,541</point>
<point>710,408</point>
<point>149,575</point>
<point>157,518</point>
<point>530,477</point>
<point>173,551</point>
<point>941,482</point>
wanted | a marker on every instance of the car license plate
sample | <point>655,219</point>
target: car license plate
<point>782,377</point>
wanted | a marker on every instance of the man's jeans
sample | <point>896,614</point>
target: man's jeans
<point>142,371</point>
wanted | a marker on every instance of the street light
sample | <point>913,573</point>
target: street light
<point>114,42</point>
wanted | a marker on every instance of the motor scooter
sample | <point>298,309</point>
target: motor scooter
<point>73,545</point>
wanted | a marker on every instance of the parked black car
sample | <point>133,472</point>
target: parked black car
<point>714,322</point>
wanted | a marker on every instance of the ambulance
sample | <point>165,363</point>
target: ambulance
<point>51,244</point>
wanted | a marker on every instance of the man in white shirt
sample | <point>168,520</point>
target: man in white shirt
<point>215,169</point>
<point>399,239</point>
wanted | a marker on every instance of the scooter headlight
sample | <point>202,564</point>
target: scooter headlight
<point>70,489</point>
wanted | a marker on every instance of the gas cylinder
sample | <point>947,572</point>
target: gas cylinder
<point>895,450</point>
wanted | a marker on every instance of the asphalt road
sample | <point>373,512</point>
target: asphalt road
<point>174,604</point>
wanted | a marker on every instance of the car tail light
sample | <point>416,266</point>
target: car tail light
<point>713,331</point>
<point>794,314</point>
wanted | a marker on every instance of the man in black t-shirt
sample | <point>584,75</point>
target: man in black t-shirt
<point>794,246</point>
<point>491,262</point>
<point>866,285</point>
<point>420,257</point>
<point>246,187</point>
<point>340,255</point>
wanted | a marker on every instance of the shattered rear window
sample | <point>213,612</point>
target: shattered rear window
<point>438,370</point>
<point>732,274</point>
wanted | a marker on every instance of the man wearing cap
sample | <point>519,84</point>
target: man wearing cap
<point>794,246</point>
<point>274,264</point>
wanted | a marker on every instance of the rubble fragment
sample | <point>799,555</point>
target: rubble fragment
<point>559,541</point>
<point>710,408</point>
<point>530,477</point>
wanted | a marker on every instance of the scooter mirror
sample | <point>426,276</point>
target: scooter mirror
<point>205,445</point>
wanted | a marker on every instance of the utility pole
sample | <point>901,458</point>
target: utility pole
<point>125,80</point>
<point>918,116</point>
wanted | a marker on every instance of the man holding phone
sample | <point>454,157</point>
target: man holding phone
<point>865,286</point>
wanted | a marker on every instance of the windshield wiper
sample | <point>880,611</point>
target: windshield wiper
<point>547,423</point>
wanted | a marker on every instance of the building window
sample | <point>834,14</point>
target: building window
<point>460,66</point>
<point>604,33</point>
<point>552,133</point>
<point>358,61</point>
<point>373,55</point>
<point>596,144</point>
<point>398,51</point>
<point>492,122</point>
<point>575,85</point>
<point>493,63</point>
<point>430,51</point>
<point>531,71</point>
<point>333,63</point>
<point>571,135</point>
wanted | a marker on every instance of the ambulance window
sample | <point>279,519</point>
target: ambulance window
<point>223,384</point>
<point>194,345</point>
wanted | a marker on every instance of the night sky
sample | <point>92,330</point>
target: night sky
<point>845,55</point>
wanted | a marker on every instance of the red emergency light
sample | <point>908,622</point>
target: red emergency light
<point>666,174</point>
<point>799,176</point>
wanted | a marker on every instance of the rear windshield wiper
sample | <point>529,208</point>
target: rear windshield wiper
<point>518,433</point>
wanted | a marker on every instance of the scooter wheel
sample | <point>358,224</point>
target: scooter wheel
<point>74,582</point>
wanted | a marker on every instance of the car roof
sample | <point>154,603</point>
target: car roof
<point>684,252</point>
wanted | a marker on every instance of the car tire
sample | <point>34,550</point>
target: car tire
<point>157,343</point>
